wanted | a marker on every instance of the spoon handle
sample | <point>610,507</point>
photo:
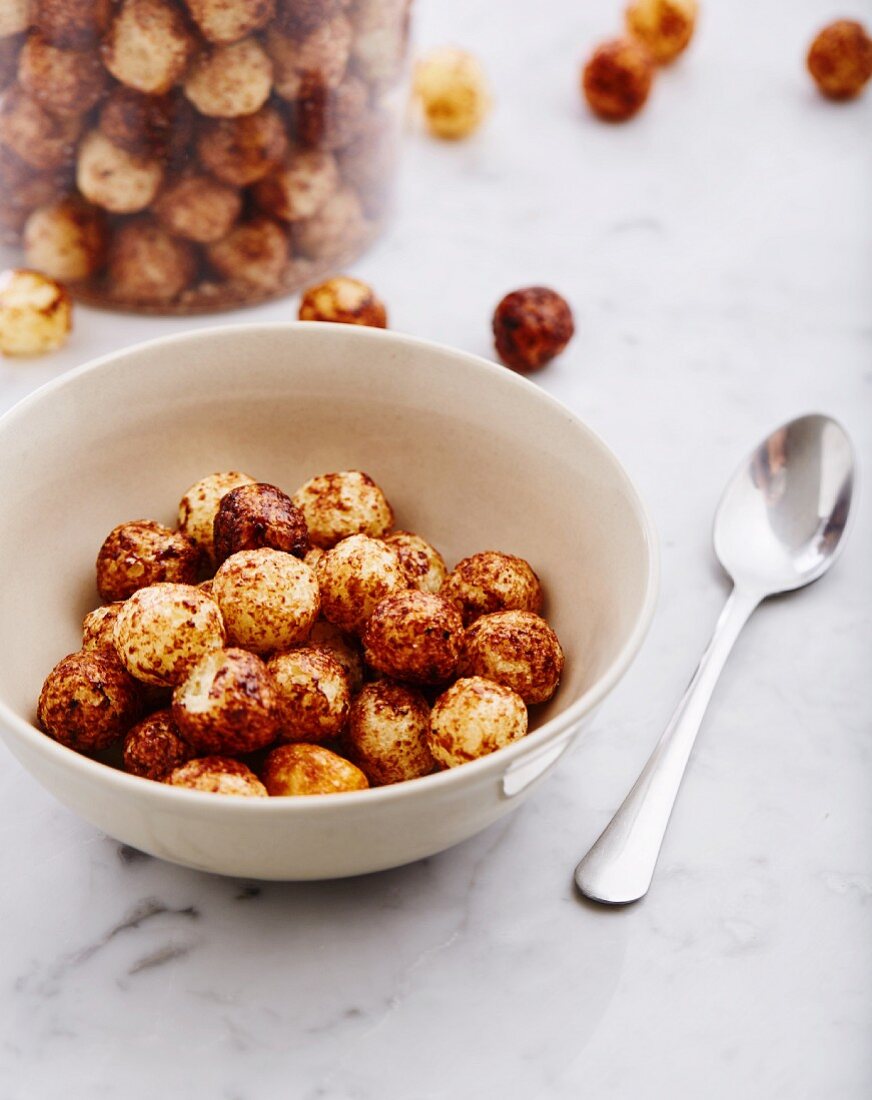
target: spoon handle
<point>619,867</point>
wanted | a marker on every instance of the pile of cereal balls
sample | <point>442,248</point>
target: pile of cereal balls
<point>325,652</point>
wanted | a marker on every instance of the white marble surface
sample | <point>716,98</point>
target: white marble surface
<point>718,254</point>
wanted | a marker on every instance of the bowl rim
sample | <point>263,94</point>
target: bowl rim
<point>512,756</point>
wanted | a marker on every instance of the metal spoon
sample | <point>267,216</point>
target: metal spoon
<point>778,527</point>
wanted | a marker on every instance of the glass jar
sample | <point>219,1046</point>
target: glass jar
<point>180,156</point>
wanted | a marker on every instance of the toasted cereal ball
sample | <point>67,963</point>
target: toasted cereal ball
<point>617,79</point>
<point>199,506</point>
<point>492,581</point>
<point>310,769</point>
<point>531,327</point>
<point>252,516</point>
<point>147,265</point>
<point>24,188</point>
<point>298,17</point>
<point>840,59</point>
<point>14,17</point>
<point>198,208</point>
<point>343,300</point>
<point>473,718</point>
<point>36,313</point>
<point>41,139</point>
<point>451,89</point>
<point>517,649</point>
<point>353,577</point>
<point>422,563</point>
<point>300,188</point>
<point>230,81</point>
<point>342,504</point>
<point>241,151</point>
<point>72,24</point>
<point>341,646</point>
<point>334,229</point>
<point>98,626</point>
<point>331,118</point>
<point>109,176</point>
<point>142,552</point>
<point>163,630</point>
<point>148,45</point>
<point>225,21</point>
<point>387,733</point>
<point>217,775</point>
<point>88,701</point>
<point>66,240</point>
<point>154,747</point>
<point>665,26</point>
<point>269,599</point>
<point>255,253</point>
<point>414,636</point>
<point>142,124</point>
<point>322,54</point>
<point>63,81</point>
<point>313,691</point>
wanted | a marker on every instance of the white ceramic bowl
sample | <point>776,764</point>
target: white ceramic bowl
<point>471,455</point>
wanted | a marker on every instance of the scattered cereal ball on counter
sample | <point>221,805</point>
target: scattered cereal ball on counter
<point>198,208</point>
<point>840,59</point>
<point>414,636</point>
<point>230,81</point>
<point>98,626</point>
<point>617,79</point>
<point>227,704</point>
<point>665,26</point>
<point>323,52</point>
<point>473,718</point>
<point>63,81</point>
<point>341,504</point>
<point>354,576</point>
<point>148,45</point>
<point>224,21</point>
<point>517,649</point>
<point>531,326</point>
<point>36,313</point>
<point>332,230</point>
<point>199,507</point>
<point>387,733</point>
<point>66,240</point>
<point>72,24</point>
<point>308,770</point>
<point>147,265</point>
<point>256,253</point>
<point>252,516</point>
<point>217,775</point>
<point>313,692</point>
<point>300,188</point>
<point>14,17</point>
<point>88,701</point>
<point>41,139</point>
<point>340,645</point>
<point>492,581</point>
<point>154,747</point>
<point>241,151</point>
<point>140,553</point>
<point>451,89</point>
<point>163,630</point>
<point>109,176</point>
<point>422,563</point>
<point>345,301</point>
<point>269,599</point>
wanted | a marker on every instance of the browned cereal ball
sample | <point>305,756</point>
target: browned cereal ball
<point>343,300</point>
<point>111,177</point>
<point>241,151</point>
<point>517,649</point>
<point>199,507</point>
<point>339,224</point>
<point>414,636</point>
<point>331,118</point>
<point>323,53</point>
<point>298,17</point>
<point>66,240</point>
<point>15,16</point>
<point>224,21</point>
<point>387,733</point>
<point>269,599</point>
<point>252,516</point>
<point>840,59</point>
<point>88,701</point>
<point>147,265</point>
<point>217,775</point>
<point>301,187</point>
<point>665,26</point>
<point>617,79</point>
<point>451,89</point>
<point>341,504</point>
<point>310,769</point>
<point>227,704</point>
<point>36,313</point>
<point>72,24</point>
<point>154,747</point>
<point>354,576</point>
<point>140,123</point>
<point>41,139</point>
<point>148,45</point>
<point>422,563</point>
<point>313,691</point>
<point>473,718</point>
<point>98,626</point>
<point>255,253</point>
<point>230,81</point>
<point>531,327</point>
<point>198,208</point>
<point>163,630</point>
<point>492,581</point>
<point>25,189</point>
<point>63,81</point>
<point>340,645</point>
<point>142,552</point>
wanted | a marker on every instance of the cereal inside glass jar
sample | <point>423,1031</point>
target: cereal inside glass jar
<point>182,156</point>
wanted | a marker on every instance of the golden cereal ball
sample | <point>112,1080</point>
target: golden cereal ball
<point>98,626</point>
<point>345,301</point>
<point>253,516</point>
<point>300,188</point>
<point>66,240</point>
<point>492,581</point>
<point>163,630</point>
<point>451,89</point>
<point>255,253</point>
<point>217,775</point>
<point>422,563</point>
<point>840,59</point>
<point>331,118</point>
<point>414,636</point>
<point>225,21</point>
<point>148,46</point>
<point>147,266</point>
<point>198,208</point>
<point>473,718</point>
<point>227,704</point>
<point>517,649</point>
<point>337,227</point>
<point>111,177</point>
<point>321,55</point>
<point>665,26</point>
<point>230,81</point>
<point>142,552</point>
<point>88,701</point>
<point>617,79</point>
<point>71,24</point>
<point>310,769</point>
<point>36,313</point>
<point>63,81</point>
<point>354,576</point>
<point>241,151</point>
<point>154,747</point>
<point>269,599</point>
<point>15,16</point>
<point>313,692</point>
<point>387,733</point>
<point>338,644</point>
<point>41,139</point>
<point>199,506</point>
<point>142,124</point>
<point>345,503</point>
